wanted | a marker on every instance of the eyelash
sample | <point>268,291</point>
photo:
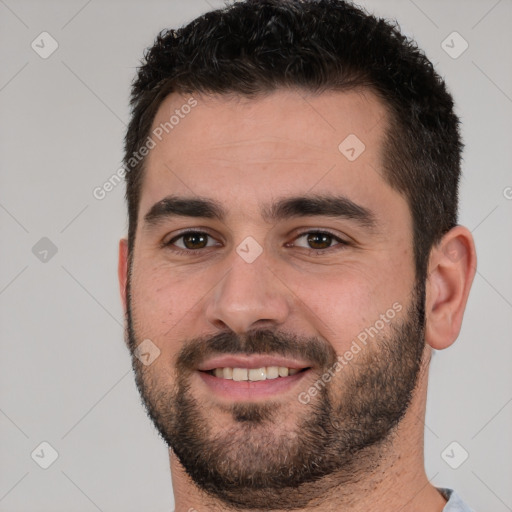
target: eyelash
<point>315,252</point>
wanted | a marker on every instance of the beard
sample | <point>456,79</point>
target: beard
<point>251,462</point>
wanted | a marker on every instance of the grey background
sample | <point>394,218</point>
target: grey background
<point>65,375</point>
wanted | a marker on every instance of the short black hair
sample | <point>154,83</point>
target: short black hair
<point>258,46</point>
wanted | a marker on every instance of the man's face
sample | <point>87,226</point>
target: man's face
<point>303,254</point>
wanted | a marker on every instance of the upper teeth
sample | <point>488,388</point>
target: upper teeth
<point>263,373</point>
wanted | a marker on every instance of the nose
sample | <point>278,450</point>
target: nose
<point>249,296</point>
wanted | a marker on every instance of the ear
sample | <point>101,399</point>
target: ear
<point>122,270</point>
<point>452,267</point>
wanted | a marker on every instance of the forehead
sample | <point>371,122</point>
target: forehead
<point>293,116</point>
<point>247,149</point>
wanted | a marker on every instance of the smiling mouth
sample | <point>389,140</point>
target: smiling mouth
<point>254,374</point>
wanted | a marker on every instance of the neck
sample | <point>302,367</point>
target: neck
<point>396,480</point>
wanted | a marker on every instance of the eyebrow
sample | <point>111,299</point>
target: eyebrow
<point>291,207</point>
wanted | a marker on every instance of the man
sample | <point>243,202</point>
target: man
<point>293,257</point>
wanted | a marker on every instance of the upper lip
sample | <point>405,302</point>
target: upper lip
<point>252,361</point>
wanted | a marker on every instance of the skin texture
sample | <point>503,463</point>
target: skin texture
<point>245,154</point>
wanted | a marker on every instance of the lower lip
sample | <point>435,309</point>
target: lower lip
<point>250,390</point>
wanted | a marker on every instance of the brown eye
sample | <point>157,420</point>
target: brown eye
<point>195,240</point>
<point>319,240</point>
<point>191,241</point>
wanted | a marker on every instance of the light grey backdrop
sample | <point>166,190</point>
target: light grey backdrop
<point>65,373</point>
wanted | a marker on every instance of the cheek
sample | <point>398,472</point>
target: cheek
<point>343,303</point>
<point>161,303</point>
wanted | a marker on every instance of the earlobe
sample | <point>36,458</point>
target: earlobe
<point>122,270</point>
<point>452,267</point>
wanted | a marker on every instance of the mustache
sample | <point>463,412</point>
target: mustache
<point>315,350</point>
